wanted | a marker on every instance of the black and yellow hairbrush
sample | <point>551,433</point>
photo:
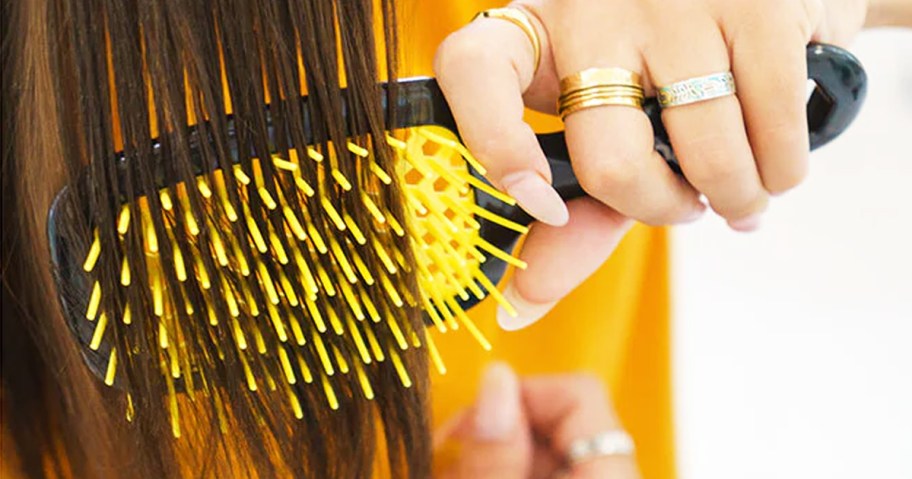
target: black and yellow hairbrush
<point>302,296</point>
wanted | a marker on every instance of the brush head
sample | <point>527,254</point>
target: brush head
<point>289,267</point>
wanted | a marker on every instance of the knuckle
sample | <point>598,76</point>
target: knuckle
<point>611,177</point>
<point>713,159</point>
<point>458,50</point>
<point>786,180</point>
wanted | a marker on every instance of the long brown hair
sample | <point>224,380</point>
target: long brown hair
<point>78,78</point>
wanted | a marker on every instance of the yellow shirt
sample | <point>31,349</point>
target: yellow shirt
<point>615,325</point>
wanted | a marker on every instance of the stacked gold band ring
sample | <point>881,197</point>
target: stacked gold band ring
<point>599,87</point>
<point>521,19</point>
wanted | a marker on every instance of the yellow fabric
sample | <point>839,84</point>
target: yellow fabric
<point>615,325</point>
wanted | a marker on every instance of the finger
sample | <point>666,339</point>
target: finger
<point>560,259</point>
<point>497,444</point>
<point>770,66</point>
<point>568,408</point>
<point>483,70</point>
<point>613,146</point>
<point>709,136</point>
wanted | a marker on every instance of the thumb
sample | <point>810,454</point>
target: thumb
<point>560,259</point>
<point>496,442</point>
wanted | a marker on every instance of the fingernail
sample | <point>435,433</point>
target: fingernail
<point>746,224</point>
<point>497,407</point>
<point>526,312</point>
<point>536,197</point>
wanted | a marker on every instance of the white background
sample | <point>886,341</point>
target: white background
<point>793,345</point>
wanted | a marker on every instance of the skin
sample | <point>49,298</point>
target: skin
<point>521,428</point>
<point>735,151</point>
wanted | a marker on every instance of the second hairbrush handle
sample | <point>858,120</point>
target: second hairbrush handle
<point>841,85</point>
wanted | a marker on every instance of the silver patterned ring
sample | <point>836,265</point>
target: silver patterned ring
<point>695,90</point>
<point>614,442</point>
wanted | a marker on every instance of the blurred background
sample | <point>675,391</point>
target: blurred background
<point>793,345</point>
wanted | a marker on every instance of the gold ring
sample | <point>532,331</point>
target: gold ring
<point>521,19</point>
<point>599,87</point>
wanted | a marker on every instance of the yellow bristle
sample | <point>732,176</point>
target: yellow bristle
<point>94,302</point>
<point>267,284</point>
<point>125,272</point>
<point>99,332</point>
<point>394,224</point>
<point>334,322</point>
<point>166,201</point>
<point>352,147</point>
<point>294,224</point>
<point>296,330</point>
<point>304,186</point>
<point>341,180</point>
<point>174,412</point>
<point>499,220</point>
<point>323,354</point>
<point>254,231</point>
<point>455,145</point>
<point>397,333</point>
<point>432,312</point>
<point>500,254</point>
<point>239,336</point>
<point>130,413</point>
<point>333,214</point>
<point>277,247</point>
<point>374,344</point>
<point>416,341</point>
<point>222,190</point>
<point>179,267</point>
<point>384,257</point>
<point>151,238</point>
<point>351,300</point>
<point>315,315</point>
<point>241,176</point>
<point>316,238</point>
<point>369,306</point>
<point>355,230</point>
<point>434,353</point>
<point>391,290</point>
<point>241,259</point>
<point>220,255</point>
<point>359,341</point>
<point>362,268</point>
<point>92,256</point>
<point>305,369</point>
<point>325,281</point>
<point>469,324</point>
<point>267,198</point>
<point>380,173</point>
<point>400,369</point>
<point>258,339</point>
<point>277,323</point>
<point>123,220</point>
<point>492,289</point>
<point>372,208</point>
<point>365,384</point>
<point>340,360</point>
<point>203,187</point>
<point>163,341</point>
<point>290,295</point>
<point>342,261</point>
<point>230,299</point>
<point>395,142</point>
<point>201,273</point>
<point>314,154</point>
<point>248,373</point>
<point>284,164</point>
<point>127,317</point>
<point>295,405</point>
<point>309,281</point>
<point>330,394</point>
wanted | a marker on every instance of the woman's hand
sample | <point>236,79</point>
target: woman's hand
<point>521,429</point>
<point>736,151</point>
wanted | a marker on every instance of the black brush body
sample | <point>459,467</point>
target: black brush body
<point>841,87</point>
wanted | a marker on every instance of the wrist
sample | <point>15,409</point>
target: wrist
<point>884,13</point>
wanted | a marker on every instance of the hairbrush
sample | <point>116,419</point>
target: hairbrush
<point>304,299</point>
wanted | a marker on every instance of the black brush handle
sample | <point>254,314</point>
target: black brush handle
<point>834,104</point>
